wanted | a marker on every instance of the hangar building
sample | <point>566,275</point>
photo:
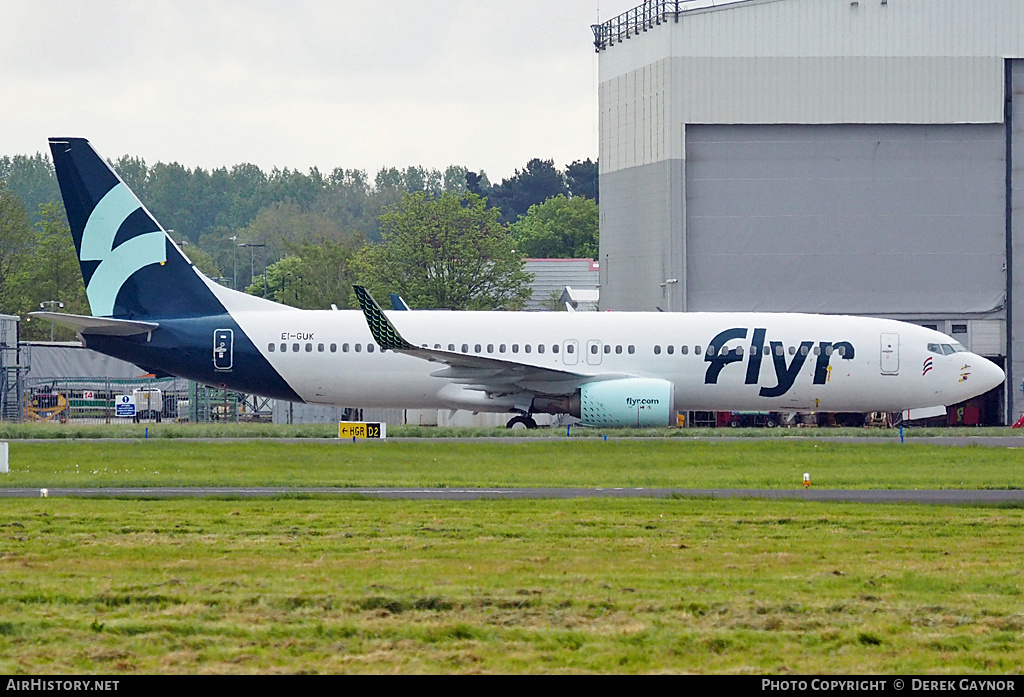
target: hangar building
<point>836,156</point>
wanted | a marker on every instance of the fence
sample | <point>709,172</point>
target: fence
<point>92,400</point>
<point>643,17</point>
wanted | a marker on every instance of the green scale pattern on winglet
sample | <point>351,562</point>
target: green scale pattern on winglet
<point>384,333</point>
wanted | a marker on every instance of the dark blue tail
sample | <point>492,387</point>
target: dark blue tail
<point>131,268</point>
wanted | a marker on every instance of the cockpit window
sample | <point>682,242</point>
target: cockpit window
<point>947,349</point>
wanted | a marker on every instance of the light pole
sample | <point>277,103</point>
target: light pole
<point>252,262</point>
<point>52,304</point>
<point>234,262</point>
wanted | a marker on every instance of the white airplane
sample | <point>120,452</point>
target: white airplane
<point>152,307</point>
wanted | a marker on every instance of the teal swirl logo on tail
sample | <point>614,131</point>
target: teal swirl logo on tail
<point>117,264</point>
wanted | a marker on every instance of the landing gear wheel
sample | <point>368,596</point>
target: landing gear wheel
<point>518,423</point>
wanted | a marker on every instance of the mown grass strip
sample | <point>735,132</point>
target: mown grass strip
<point>616,586</point>
<point>774,464</point>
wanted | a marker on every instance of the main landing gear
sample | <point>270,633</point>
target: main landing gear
<point>520,422</point>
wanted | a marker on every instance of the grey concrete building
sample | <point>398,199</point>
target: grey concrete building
<point>830,156</point>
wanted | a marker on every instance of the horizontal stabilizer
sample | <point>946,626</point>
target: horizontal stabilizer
<point>98,325</point>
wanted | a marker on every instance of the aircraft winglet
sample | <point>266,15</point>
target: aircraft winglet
<point>384,333</point>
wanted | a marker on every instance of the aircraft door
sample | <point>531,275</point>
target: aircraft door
<point>570,352</point>
<point>223,349</point>
<point>594,352</point>
<point>890,356</point>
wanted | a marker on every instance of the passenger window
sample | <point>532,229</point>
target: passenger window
<point>684,350</point>
<point>696,350</point>
<point>657,350</point>
<point>570,349</point>
<point>671,349</point>
<point>527,348</point>
<point>515,348</point>
<point>593,349</point>
<point>334,348</point>
<point>618,349</point>
<point>501,349</point>
<point>271,348</point>
<point>465,348</point>
<point>540,348</point>
<point>344,348</point>
<point>309,348</point>
<point>451,347</point>
<point>490,348</point>
<point>554,348</point>
<point>295,348</point>
<point>607,348</point>
<point>359,348</point>
<point>631,349</point>
<point>370,348</point>
<point>284,348</point>
<point>320,348</point>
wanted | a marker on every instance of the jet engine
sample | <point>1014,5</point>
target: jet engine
<point>617,403</point>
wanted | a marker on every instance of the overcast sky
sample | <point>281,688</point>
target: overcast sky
<point>301,83</point>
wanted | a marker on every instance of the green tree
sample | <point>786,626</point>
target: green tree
<point>15,244</point>
<point>51,273</point>
<point>559,228</point>
<point>314,276</point>
<point>31,179</point>
<point>582,179</point>
<point>450,252</point>
<point>535,184</point>
<point>202,260</point>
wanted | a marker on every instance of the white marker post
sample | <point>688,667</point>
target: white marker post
<point>4,468</point>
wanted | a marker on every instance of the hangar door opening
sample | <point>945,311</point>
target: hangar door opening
<point>857,219</point>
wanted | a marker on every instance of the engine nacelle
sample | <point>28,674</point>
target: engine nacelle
<point>627,402</point>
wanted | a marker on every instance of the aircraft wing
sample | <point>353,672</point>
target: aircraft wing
<point>98,325</point>
<point>493,375</point>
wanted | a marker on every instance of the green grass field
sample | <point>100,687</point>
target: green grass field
<point>681,463</point>
<point>343,584</point>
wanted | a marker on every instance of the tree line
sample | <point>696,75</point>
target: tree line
<point>416,231</point>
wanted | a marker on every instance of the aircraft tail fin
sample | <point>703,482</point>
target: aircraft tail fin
<point>131,267</point>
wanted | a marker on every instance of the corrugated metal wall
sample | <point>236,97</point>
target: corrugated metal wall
<point>872,220</point>
<point>1015,246</point>
<point>822,156</point>
<point>805,62</point>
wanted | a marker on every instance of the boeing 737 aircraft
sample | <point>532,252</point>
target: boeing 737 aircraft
<point>152,307</point>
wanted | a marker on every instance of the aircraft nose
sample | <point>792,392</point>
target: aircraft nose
<point>988,373</point>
